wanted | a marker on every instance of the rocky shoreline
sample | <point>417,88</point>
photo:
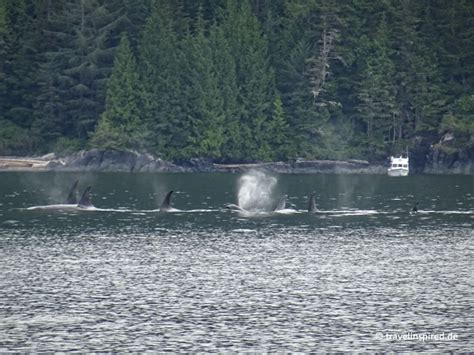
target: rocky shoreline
<point>106,160</point>
<point>128,161</point>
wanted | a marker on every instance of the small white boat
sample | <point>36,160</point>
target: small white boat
<point>398,166</point>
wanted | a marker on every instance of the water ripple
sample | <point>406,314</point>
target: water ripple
<point>209,280</point>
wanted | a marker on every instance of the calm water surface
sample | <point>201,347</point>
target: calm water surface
<point>126,278</point>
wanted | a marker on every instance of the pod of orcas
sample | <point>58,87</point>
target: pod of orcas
<point>72,202</point>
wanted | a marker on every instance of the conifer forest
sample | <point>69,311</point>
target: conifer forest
<point>236,80</point>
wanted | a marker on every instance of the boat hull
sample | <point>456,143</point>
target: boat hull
<point>397,172</point>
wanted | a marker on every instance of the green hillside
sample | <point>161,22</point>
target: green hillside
<point>236,81</point>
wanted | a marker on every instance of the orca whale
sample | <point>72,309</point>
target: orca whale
<point>72,197</point>
<point>280,206</point>
<point>233,206</point>
<point>415,208</point>
<point>312,203</point>
<point>85,202</point>
<point>166,204</point>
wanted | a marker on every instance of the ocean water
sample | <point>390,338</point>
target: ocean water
<point>361,274</point>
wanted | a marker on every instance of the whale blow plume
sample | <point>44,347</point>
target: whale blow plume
<point>255,190</point>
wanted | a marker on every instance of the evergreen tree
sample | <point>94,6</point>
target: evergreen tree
<point>160,59</point>
<point>376,93</point>
<point>433,100</point>
<point>18,65</point>
<point>120,125</point>
<point>277,127</point>
<point>412,69</point>
<point>298,102</point>
<point>223,64</point>
<point>88,65</point>
<point>204,109</point>
<point>451,39</point>
<point>76,64</point>
<point>235,80</point>
<point>254,79</point>
<point>3,57</point>
<point>128,16</point>
<point>49,104</point>
<point>454,44</point>
<point>459,122</point>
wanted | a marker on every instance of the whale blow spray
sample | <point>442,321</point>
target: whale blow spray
<point>255,190</point>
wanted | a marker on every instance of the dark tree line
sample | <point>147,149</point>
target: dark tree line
<point>235,80</point>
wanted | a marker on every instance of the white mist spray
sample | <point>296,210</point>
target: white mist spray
<point>255,190</point>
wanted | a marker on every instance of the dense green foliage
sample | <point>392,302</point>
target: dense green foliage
<point>235,80</point>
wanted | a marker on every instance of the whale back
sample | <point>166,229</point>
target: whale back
<point>85,200</point>
<point>72,197</point>
<point>281,203</point>
<point>312,203</point>
<point>166,204</point>
<point>234,207</point>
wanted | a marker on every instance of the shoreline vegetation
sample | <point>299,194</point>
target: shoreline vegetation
<point>97,160</point>
<point>240,81</point>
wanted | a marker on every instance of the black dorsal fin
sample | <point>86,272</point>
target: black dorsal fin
<point>281,203</point>
<point>72,197</point>
<point>312,203</point>
<point>166,204</point>
<point>85,200</point>
<point>415,208</point>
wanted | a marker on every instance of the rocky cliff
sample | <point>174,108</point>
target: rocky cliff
<point>112,160</point>
<point>442,160</point>
<point>445,155</point>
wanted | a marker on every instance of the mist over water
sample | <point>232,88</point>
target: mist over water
<point>255,190</point>
<point>54,189</point>
<point>126,278</point>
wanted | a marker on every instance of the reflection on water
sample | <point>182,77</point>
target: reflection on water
<point>124,278</point>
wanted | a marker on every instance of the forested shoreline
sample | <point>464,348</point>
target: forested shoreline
<point>237,81</point>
